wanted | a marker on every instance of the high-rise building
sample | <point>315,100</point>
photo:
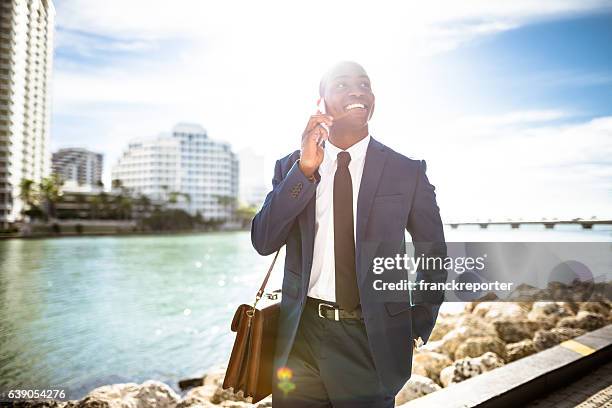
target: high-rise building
<point>78,166</point>
<point>26,54</point>
<point>253,186</point>
<point>185,166</point>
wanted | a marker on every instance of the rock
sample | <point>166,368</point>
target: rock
<point>444,324</point>
<point>521,349</point>
<point>600,308</point>
<point>148,394</point>
<point>451,340</point>
<point>266,402</point>
<point>512,331</point>
<point>222,395</point>
<point>478,324</point>
<point>583,320</point>
<point>448,376</point>
<point>467,326</point>
<point>416,387</point>
<point>477,346</point>
<point>545,339</point>
<point>549,313</point>
<point>469,367</point>
<point>43,404</point>
<point>501,310</point>
<point>429,364</point>
<point>215,376</point>
<point>199,396</point>
<point>469,307</point>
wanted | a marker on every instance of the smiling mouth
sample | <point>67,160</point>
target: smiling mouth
<point>353,106</point>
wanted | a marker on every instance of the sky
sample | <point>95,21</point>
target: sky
<point>510,103</point>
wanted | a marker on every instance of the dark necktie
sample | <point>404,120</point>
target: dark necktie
<point>347,292</point>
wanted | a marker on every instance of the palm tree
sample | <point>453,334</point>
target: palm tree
<point>116,183</point>
<point>27,194</point>
<point>145,202</point>
<point>125,207</point>
<point>173,197</point>
<point>226,201</point>
<point>103,200</point>
<point>50,192</point>
<point>95,204</point>
<point>246,214</point>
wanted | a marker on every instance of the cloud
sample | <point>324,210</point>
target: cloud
<point>517,170</point>
<point>518,118</point>
<point>248,71</point>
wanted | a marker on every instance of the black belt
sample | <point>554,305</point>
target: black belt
<point>331,310</point>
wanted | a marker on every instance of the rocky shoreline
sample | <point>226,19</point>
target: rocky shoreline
<point>486,335</point>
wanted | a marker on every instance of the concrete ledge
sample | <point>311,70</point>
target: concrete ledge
<point>528,378</point>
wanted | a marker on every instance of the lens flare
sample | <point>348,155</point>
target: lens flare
<point>284,375</point>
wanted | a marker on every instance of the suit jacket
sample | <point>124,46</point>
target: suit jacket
<point>395,195</point>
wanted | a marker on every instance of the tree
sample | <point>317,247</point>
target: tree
<point>144,202</point>
<point>125,207</point>
<point>117,184</point>
<point>245,215</point>
<point>50,193</point>
<point>103,204</point>
<point>30,196</point>
<point>227,202</point>
<point>174,195</point>
<point>27,194</point>
<point>94,206</point>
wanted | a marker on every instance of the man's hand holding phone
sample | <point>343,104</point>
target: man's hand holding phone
<point>311,155</point>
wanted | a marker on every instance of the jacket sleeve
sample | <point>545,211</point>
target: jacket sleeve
<point>289,196</point>
<point>426,228</point>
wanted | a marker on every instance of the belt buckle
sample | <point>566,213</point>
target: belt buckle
<point>336,311</point>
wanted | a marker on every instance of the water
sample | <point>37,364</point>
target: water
<point>77,313</point>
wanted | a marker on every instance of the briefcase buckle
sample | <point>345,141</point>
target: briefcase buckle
<point>336,311</point>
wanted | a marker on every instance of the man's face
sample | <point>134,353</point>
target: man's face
<point>348,92</point>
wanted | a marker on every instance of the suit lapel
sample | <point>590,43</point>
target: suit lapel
<point>372,171</point>
<point>375,159</point>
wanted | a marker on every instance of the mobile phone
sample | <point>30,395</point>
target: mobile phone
<point>321,105</point>
<point>321,109</point>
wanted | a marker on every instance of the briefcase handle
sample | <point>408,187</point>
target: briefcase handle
<point>260,292</point>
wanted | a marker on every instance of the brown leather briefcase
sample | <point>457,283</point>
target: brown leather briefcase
<point>250,368</point>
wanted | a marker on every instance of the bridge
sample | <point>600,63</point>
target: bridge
<point>549,224</point>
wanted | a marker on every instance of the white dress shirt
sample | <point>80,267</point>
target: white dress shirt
<point>323,273</point>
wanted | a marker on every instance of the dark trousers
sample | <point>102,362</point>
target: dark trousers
<point>331,366</point>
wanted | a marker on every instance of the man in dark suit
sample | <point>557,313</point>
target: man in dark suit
<point>338,202</point>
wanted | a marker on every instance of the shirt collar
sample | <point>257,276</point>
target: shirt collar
<point>357,151</point>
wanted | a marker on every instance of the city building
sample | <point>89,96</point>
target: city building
<point>253,186</point>
<point>26,54</point>
<point>186,169</point>
<point>78,167</point>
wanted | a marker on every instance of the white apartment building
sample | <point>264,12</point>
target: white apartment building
<point>78,166</point>
<point>253,185</point>
<point>203,171</point>
<point>26,55</point>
